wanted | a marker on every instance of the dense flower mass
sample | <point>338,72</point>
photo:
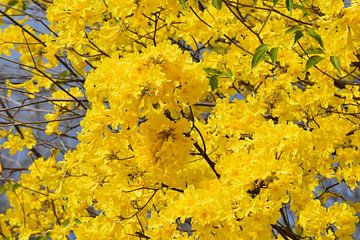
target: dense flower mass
<point>199,119</point>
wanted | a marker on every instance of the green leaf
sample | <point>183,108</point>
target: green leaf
<point>5,187</point>
<point>293,29</point>
<point>312,50</point>
<point>254,2</point>
<point>9,186</point>
<point>64,74</point>
<point>316,36</point>
<point>259,55</point>
<point>77,221</point>
<point>212,71</point>
<point>42,237</point>
<point>303,9</point>
<point>15,186</point>
<point>297,36</point>
<point>312,61</point>
<point>213,76</point>
<point>335,62</point>
<point>217,4</point>
<point>273,55</point>
<point>25,5</point>
<point>229,74</point>
<point>66,222</point>
<point>12,3</point>
<point>214,82</point>
<point>275,2</point>
<point>183,4</point>
<point>290,5</point>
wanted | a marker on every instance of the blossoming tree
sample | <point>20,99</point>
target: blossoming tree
<point>200,119</point>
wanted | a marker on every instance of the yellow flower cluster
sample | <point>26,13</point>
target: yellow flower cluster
<point>18,141</point>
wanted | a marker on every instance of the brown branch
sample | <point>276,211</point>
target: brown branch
<point>326,190</point>
<point>17,128</point>
<point>37,39</point>
<point>140,209</point>
<point>55,214</point>
<point>202,151</point>
<point>18,123</point>
<point>171,188</point>
<point>22,27</point>
<point>200,18</point>
<point>243,22</point>
<point>22,208</point>
<point>270,9</point>
<point>207,159</point>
